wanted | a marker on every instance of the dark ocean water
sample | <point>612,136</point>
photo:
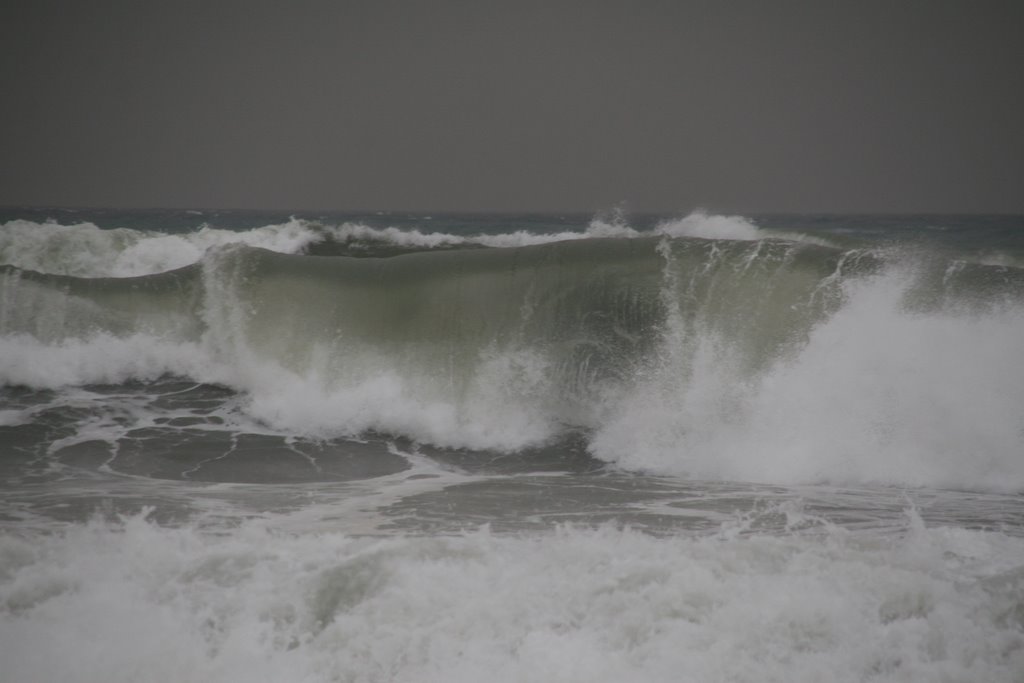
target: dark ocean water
<point>320,447</point>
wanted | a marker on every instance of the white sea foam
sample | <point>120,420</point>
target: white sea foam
<point>125,602</point>
<point>100,359</point>
<point>701,224</point>
<point>711,226</point>
<point>84,250</point>
<point>357,232</point>
<point>507,406</point>
<point>876,394</point>
<point>696,224</point>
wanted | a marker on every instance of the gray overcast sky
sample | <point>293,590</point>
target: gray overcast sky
<point>665,106</point>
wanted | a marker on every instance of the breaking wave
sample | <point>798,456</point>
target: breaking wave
<point>761,360</point>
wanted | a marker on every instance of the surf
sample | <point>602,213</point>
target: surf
<point>754,359</point>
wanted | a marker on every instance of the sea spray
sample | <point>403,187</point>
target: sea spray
<point>874,393</point>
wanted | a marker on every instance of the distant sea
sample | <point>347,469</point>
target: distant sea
<point>249,446</point>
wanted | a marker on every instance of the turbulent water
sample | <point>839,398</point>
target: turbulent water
<point>390,447</point>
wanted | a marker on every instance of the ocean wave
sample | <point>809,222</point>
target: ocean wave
<point>721,359</point>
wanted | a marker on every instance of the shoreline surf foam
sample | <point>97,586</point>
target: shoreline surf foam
<point>131,599</point>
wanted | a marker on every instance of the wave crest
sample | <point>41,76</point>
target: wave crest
<point>85,250</point>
